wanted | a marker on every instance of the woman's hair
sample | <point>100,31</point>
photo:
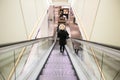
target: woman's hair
<point>62,27</point>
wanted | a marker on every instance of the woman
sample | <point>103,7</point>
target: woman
<point>62,35</point>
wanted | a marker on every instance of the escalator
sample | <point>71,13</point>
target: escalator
<point>40,59</point>
<point>58,67</point>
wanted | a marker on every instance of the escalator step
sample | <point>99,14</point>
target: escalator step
<point>58,72</point>
<point>52,66</point>
<point>54,77</point>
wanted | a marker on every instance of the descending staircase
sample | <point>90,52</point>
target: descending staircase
<point>58,67</point>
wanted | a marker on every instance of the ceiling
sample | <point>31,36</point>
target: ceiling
<point>59,0</point>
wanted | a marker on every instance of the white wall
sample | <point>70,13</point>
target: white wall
<point>43,32</point>
<point>107,25</point>
<point>105,28</point>
<point>19,17</point>
<point>11,22</point>
<point>29,13</point>
<point>41,7</point>
<point>85,11</point>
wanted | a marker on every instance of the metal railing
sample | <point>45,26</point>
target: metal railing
<point>13,56</point>
<point>101,60</point>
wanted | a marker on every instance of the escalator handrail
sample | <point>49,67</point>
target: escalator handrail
<point>114,51</point>
<point>19,42</point>
<point>15,45</point>
<point>101,44</point>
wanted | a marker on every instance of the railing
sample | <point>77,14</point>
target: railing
<point>13,56</point>
<point>100,61</point>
